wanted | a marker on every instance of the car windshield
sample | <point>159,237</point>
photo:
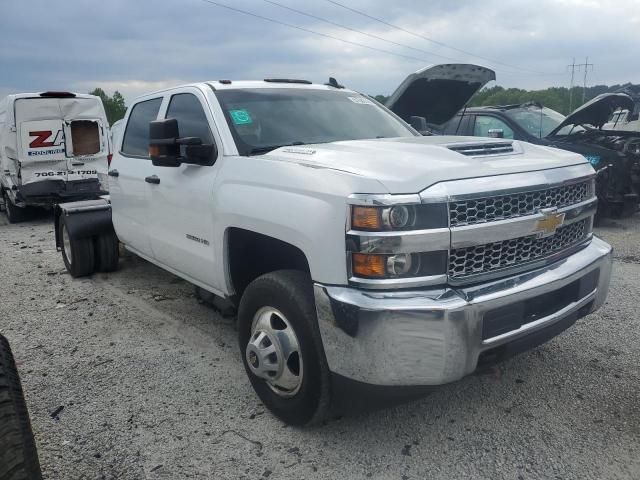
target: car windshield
<point>262,119</point>
<point>537,121</point>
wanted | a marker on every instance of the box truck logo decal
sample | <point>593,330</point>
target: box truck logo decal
<point>46,139</point>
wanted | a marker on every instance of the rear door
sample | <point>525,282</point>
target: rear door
<point>86,148</point>
<point>129,168</point>
<point>41,150</point>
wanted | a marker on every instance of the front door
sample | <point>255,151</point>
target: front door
<point>181,203</point>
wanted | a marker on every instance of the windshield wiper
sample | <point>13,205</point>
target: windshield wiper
<point>258,150</point>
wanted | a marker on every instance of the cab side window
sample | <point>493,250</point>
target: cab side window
<point>192,121</point>
<point>136,135</point>
<point>484,123</point>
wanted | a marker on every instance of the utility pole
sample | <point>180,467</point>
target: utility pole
<point>586,66</point>
<point>573,70</point>
<point>577,67</point>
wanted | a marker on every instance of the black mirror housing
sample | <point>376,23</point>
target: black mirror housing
<point>203,154</point>
<point>418,123</point>
<point>165,146</point>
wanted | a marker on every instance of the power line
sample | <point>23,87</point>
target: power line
<point>300,12</point>
<point>326,35</point>
<point>442,44</point>
<point>273,20</point>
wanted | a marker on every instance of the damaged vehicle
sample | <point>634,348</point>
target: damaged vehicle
<point>433,101</point>
<point>624,119</point>
<point>54,147</point>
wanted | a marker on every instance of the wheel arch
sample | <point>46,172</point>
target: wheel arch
<point>250,254</point>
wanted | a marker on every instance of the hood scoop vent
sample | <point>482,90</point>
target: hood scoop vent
<point>482,149</point>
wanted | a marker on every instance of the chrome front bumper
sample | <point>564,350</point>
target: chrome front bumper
<point>435,336</point>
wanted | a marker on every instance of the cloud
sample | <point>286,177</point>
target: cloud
<point>138,46</point>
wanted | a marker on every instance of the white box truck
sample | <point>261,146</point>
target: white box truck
<point>54,147</point>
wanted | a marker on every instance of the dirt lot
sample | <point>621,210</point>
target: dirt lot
<point>152,386</point>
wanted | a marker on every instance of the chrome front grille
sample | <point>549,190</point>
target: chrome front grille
<point>481,259</point>
<point>502,207</point>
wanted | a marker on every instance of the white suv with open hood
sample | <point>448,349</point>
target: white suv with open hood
<point>54,146</point>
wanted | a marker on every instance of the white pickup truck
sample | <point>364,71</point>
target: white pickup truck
<point>355,250</point>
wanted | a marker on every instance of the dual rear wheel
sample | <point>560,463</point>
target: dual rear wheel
<point>85,255</point>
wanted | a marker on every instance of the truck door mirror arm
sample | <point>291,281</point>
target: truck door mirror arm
<point>165,143</point>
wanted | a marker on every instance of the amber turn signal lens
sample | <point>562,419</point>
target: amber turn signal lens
<point>367,265</point>
<point>154,151</point>
<point>366,218</point>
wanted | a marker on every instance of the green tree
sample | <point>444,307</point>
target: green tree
<point>114,106</point>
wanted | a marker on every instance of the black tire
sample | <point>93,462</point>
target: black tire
<point>18,454</point>
<point>14,213</point>
<point>82,261</point>
<point>107,250</point>
<point>290,292</point>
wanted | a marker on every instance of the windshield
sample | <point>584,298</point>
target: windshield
<point>266,118</point>
<point>537,121</point>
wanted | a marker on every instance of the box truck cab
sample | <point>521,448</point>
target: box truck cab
<point>54,147</point>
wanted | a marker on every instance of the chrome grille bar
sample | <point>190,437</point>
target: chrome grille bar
<point>502,207</point>
<point>487,258</point>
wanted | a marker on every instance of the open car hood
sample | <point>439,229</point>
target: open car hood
<point>438,92</point>
<point>596,112</point>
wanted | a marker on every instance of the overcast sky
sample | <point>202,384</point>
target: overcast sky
<point>136,46</point>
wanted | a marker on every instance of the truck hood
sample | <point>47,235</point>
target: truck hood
<point>409,165</point>
<point>438,92</point>
<point>597,111</point>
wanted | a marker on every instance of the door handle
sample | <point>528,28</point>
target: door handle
<point>113,173</point>
<point>152,179</point>
<point>77,164</point>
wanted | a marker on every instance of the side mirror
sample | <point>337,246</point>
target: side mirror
<point>418,123</point>
<point>633,117</point>
<point>163,149</point>
<point>495,133</point>
<point>165,146</point>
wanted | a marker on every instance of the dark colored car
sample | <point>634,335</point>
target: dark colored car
<point>431,101</point>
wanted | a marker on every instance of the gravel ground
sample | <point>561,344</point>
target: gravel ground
<point>127,376</point>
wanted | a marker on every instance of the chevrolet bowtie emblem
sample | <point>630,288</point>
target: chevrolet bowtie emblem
<point>549,223</point>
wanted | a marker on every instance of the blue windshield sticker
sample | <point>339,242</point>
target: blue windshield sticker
<point>593,159</point>
<point>240,117</point>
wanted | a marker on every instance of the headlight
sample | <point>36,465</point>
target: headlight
<point>398,265</point>
<point>399,217</point>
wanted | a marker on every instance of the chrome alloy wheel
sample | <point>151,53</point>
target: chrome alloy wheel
<point>273,352</point>
<point>66,243</point>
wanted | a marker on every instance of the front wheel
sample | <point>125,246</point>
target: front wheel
<point>14,213</point>
<point>281,347</point>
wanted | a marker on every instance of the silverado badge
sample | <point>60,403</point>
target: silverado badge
<point>549,223</point>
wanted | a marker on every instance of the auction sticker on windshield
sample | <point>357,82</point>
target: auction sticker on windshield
<point>240,117</point>
<point>361,100</point>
